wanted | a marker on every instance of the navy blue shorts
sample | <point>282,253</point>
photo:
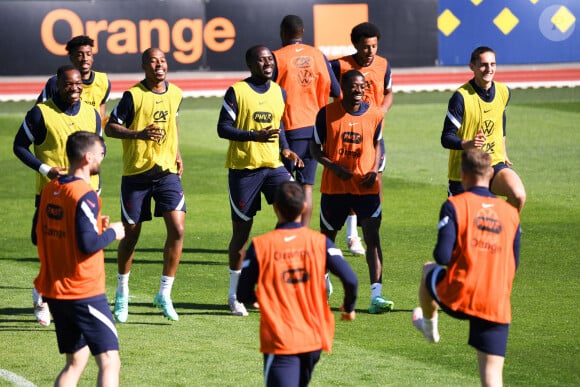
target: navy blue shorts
<point>455,187</point>
<point>485,336</point>
<point>306,175</point>
<point>335,208</point>
<point>299,143</point>
<point>88,321</point>
<point>137,191</point>
<point>245,186</point>
<point>496,168</point>
<point>289,370</point>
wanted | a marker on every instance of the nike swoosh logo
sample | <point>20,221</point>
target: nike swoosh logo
<point>158,102</point>
<point>299,49</point>
<point>487,111</point>
<point>289,238</point>
<point>365,74</point>
<point>352,123</point>
<point>486,205</point>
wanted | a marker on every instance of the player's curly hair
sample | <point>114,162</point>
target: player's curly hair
<point>364,31</point>
<point>346,77</point>
<point>77,42</point>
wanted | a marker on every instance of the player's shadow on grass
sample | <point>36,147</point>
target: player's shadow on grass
<point>21,259</point>
<point>185,251</point>
<point>366,311</point>
<point>159,262</point>
<point>196,309</point>
<point>147,309</point>
<point>16,316</point>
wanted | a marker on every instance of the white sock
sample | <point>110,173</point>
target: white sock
<point>351,230</point>
<point>123,284</point>
<point>376,290</point>
<point>36,297</point>
<point>430,328</point>
<point>234,279</point>
<point>166,285</point>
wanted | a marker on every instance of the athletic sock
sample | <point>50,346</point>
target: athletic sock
<point>376,290</point>
<point>123,283</point>
<point>234,279</point>
<point>351,230</point>
<point>430,326</point>
<point>36,297</point>
<point>166,285</point>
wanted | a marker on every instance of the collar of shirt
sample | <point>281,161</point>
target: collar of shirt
<point>258,85</point>
<point>486,95</point>
<point>289,225</point>
<point>481,191</point>
<point>66,108</point>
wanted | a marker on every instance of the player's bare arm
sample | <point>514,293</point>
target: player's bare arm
<point>291,155</point>
<point>338,170</point>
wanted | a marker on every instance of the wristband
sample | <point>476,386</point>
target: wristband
<point>44,169</point>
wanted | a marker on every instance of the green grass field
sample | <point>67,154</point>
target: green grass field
<point>207,346</point>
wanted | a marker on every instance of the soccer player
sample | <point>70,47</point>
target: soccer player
<point>476,118</point>
<point>251,119</point>
<point>146,120</point>
<point>96,85</point>
<point>347,143</point>
<point>477,254</point>
<point>70,235</point>
<point>305,73</point>
<point>46,128</point>
<point>288,265</point>
<point>378,91</point>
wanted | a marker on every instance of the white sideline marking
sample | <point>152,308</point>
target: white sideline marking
<point>16,380</point>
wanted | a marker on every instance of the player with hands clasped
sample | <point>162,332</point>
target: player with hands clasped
<point>476,118</point>
<point>347,144</point>
<point>477,254</point>
<point>146,121</point>
<point>288,266</point>
<point>70,234</point>
<point>378,91</point>
<point>251,119</point>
